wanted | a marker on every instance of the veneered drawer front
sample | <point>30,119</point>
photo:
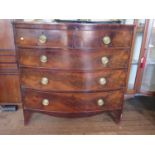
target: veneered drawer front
<point>74,59</point>
<point>73,81</point>
<point>72,102</point>
<point>95,39</point>
<point>43,38</point>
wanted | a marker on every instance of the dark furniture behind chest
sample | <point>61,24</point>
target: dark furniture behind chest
<point>71,69</point>
<point>9,75</point>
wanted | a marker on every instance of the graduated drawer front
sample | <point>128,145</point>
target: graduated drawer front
<point>72,102</point>
<point>54,38</point>
<point>73,81</point>
<point>74,59</point>
<point>94,39</point>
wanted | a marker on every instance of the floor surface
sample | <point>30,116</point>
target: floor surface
<point>138,118</point>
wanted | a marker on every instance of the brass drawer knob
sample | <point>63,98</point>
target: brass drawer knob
<point>106,40</point>
<point>42,39</point>
<point>44,81</point>
<point>104,60</point>
<point>45,102</point>
<point>102,81</point>
<point>43,58</point>
<point>100,102</point>
<point>21,38</point>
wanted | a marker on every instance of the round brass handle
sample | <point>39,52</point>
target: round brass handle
<point>43,58</point>
<point>21,38</point>
<point>100,102</point>
<point>42,39</point>
<point>44,81</point>
<point>106,40</point>
<point>104,60</point>
<point>102,81</point>
<point>45,102</point>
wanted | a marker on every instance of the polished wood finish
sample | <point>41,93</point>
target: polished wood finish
<point>72,26</point>
<point>73,35</point>
<point>74,59</point>
<point>72,102</point>
<point>27,116</point>
<point>68,69</point>
<point>8,62</point>
<point>73,81</point>
<point>8,67</point>
<point>9,89</point>
<point>93,39</point>
<point>55,38</point>
<point>7,57</point>
<point>6,35</point>
<point>9,74</point>
<point>116,115</point>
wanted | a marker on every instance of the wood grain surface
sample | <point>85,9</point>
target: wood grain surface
<point>72,81</point>
<point>74,68</point>
<point>74,59</point>
<point>74,36</point>
<point>72,102</point>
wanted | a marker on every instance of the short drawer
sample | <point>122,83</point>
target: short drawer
<point>72,102</point>
<point>74,59</point>
<point>72,81</point>
<point>103,39</point>
<point>43,38</point>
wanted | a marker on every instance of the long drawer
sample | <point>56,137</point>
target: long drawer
<point>75,37</point>
<point>73,81</point>
<point>72,102</point>
<point>74,59</point>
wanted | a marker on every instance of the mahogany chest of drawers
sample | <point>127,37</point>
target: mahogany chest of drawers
<point>71,69</point>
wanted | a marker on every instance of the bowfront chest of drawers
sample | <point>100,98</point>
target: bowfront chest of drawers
<point>71,69</point>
